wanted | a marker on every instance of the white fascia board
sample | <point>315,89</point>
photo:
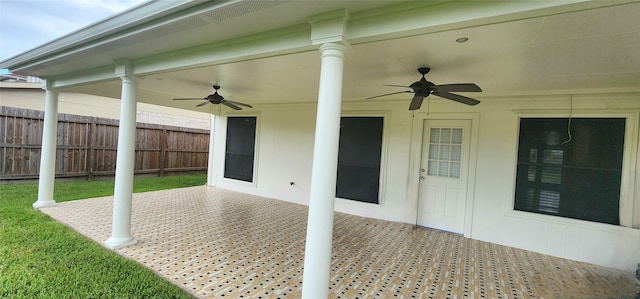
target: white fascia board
<point>417,18</point>
<point>20,85</point>
<point>123,21</point>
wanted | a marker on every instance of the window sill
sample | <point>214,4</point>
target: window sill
<point>571,222</point>
<point>356,203</point>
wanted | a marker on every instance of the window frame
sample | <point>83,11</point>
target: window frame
<point>383,158</point>
<point>627,186</point>
<point>254,182</point>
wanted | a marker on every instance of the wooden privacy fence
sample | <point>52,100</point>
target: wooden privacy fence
<point>87,146</point>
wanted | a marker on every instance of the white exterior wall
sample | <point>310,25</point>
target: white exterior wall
<point>285,147</point>
<point>285,151</point>
<point>494,219</point>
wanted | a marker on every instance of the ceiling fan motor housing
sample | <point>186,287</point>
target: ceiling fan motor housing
<point>215,98</point>
<point>422,88</point>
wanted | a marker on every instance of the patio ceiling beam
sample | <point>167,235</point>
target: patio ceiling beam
<point>283,41</point>
<point>99,74</point>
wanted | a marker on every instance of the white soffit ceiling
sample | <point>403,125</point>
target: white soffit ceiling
<point>579,51</point>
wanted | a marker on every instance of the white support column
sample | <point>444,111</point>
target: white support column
<point>48,152</point>
<point>317,259</point>
<point>211,178</point>
<point>123,190</point>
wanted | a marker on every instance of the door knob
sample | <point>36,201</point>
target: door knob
<point>422,178</point>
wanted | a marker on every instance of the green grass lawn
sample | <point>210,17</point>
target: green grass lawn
<point>40,258</point>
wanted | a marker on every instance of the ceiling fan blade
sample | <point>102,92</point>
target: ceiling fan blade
<point>416,102</point>
<point>460,87</point>
<point>189,99</point>
<point>393,85</point>
<point>231,105</point>
<point>202,104</point>
<point>388,94</point>
<point>238,103</point>
<point>457,98</point>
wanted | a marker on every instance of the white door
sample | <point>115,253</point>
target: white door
<point>443,174</point>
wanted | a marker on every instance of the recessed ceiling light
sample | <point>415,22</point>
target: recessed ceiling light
<point>462,39</point>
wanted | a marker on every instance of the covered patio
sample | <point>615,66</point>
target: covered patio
<point>304,66</point>
<point>217,243</point>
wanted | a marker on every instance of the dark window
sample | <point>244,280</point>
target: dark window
<point>359,158</point>
<point>239,153</point>
<point>574,175</point>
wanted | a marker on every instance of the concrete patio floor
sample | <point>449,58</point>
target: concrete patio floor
<point>217,243</point>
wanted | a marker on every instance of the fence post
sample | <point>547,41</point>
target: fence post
<point>90,147</point>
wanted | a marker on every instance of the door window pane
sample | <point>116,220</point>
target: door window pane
<point>434,149</point>
<point>434,135</point>
<point>456,153</point>
<point>456,136</point>
<point>454,170</point>
<point>445,136</point>
<point>443,169</point>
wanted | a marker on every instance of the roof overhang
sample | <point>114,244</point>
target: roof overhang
<point>265,51</point>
